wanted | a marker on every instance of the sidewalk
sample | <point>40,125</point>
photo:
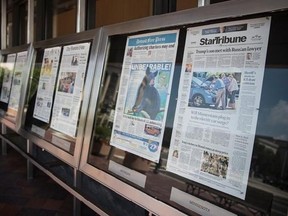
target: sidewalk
<point>22,197</point>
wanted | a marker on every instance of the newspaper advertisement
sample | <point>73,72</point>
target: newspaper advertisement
<point>218,104</point>
<point>47,80</point>
<point>69,88</point>
<point>8,68</point>
<point>144,93</point>
<point>15,93</point>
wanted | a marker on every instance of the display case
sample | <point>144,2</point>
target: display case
<point>15,64</point>
<point>57,97</point>
<point>14,67</point>
<point>187,111</point>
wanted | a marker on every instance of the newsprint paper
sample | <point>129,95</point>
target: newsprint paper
<point>218,104</point>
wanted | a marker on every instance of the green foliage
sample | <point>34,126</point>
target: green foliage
<point>103,132</point>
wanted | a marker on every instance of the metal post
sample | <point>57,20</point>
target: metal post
<point>203,3</point>
<point>30,21</point>
<point>77,184</point>
<point>91,14</point>
<point>3,24</point>
<point>4,144</point>
<point>81,16</point>
<point>76,202</point>
<point>30,167</point>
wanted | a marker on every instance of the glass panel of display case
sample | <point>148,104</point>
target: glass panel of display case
<point>13,77</point>
<point>207,148</point>
<point>14,99</point>
<point>7,67</point>
<point>56,93</point>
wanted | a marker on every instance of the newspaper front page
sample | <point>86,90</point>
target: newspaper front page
<point>218,104</point>
<point>45,91</point>
<point>144,93</point>
<point>15,93</point>
<point>69,88</point>
<point>8,67</point>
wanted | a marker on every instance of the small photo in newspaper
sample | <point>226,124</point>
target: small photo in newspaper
<point>215,90</point>
<point>67,82</point>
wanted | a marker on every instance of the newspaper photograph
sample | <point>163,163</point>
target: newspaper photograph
<point>20,63</point>
<point>69,88</point>
<point>46,86</point>
<point>144,93</point>
<point>218,104</point>
<point>8,68</point>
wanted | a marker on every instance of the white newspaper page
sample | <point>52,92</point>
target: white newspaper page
<point>8,67</point>
<point>17,81</point>
<point>144,93</point>
<point>218,103</point>
<point>47,80</point>
<point>69,88</point>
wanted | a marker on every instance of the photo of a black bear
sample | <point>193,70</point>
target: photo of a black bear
<point>148,98</point>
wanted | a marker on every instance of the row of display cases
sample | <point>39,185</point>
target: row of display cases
<point>131,116</point>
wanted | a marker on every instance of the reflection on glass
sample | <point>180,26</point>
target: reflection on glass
<point>106,110</point>
<point>269,165</point>
<point>9,29</point>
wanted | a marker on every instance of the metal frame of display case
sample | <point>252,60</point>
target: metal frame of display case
<point>72,160</point>
<point>230,9</point>
<point>13,124</point>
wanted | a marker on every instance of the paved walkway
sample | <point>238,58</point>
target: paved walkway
<point>40,196</point>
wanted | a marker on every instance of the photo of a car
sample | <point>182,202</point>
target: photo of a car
<point>201,94</point>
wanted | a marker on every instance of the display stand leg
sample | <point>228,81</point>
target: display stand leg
<point>30,166</point>
<point>4,144</point>
<point>76,202</point>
